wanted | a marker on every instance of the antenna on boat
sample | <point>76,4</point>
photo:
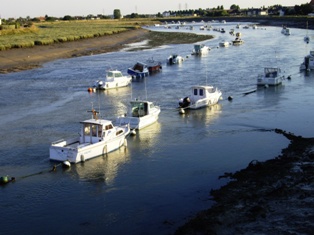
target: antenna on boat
<point>94,112</point>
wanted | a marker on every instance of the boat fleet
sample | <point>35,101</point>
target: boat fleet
<point>99,136</point>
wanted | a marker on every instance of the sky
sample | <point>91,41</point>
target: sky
<point>60,8</point>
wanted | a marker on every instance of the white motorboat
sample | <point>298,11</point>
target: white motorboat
<point>200,49</point>
<point>224,43</point>
<point>201,96</point>
<point>97,137</point>
<point>237,41</point>
<point>308,63</point>
<point>174,59</point>
<point>142,113</point>
<point>271,77</point>
<point>114,79</point>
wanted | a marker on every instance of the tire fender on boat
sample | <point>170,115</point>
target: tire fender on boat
<point>82,158</point>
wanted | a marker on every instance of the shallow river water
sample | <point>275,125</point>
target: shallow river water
<point>165,174</point>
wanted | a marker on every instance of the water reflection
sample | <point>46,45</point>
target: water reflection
<point>147,138</point>
<point>104,168</point>
<point>203,116</point>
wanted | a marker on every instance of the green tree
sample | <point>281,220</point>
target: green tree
<point>116,14</point>
<point>234,7</point>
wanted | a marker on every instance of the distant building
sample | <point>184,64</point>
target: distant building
<point>256,12</point>
<point>166,14</point>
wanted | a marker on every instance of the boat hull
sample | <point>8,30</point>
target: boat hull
<point>112,85</point>
<point>71,150</point>
<point>138,74</point>
<point>137,123</point>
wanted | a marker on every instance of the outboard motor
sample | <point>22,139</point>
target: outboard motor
<point>183,103</point>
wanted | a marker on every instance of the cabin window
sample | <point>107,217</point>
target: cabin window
<point>108,127</point>
<point>201,92</point>
<point>99,130</point>
<point>195,91</point>
<point>86,129</point>
<point>94,130</point>
<point>119,132</point>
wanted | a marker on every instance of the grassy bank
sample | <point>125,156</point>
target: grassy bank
<point>47,33</point>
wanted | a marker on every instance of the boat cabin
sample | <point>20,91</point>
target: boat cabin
<point>200,92</point>
<point>114,74</point>
<point>141,108</point>
<point>139,67</point>
<point>271,72</point>
<point>94,131</point>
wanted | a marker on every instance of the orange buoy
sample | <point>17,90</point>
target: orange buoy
<point>90,89</point>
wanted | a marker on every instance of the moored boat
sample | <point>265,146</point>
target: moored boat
<point>271,77</point>
<point>174,59</point>
<point>141,113</point>
<point>308,63</point>
<point>114,79</point>
<point>224,43</point>
<point>97,137</point>
<point>200,49</point>
<point>139,70</point>
<point>201,96</point>
<point>153,65</point>
<point>237,41</point>
<point>285,31</point>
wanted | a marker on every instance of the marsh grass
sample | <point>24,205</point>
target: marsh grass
<point>47,33</point>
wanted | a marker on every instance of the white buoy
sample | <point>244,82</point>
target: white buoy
<point>181,111</point>
<point>66,164</point>
<point>133,132</point>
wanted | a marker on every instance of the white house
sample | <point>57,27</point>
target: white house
<point>166,14</point>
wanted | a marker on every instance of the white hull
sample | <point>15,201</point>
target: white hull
<point>202,96</point>
<point>139,122</point>
<point>205,102</point>
<point>224,44</point>
<point>175,59</point>
<point>74,152</point>
<point>271,77</point>
<point>141,114</point>
<point>97,137</point>
<point>111,85</point>
<point>114,79</point>
<point>269,81</point>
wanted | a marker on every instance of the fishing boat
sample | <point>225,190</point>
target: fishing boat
<point>271,77</point>
<point>174,59</point>
<point>153,65</point>
<point>200,49</point>
<point>114,79</point>
<point>141,113</point>
<point>237,41</point>
<point>97,137</point>
<point>139,70</point>
<point>224,43</point>
<point>201,96</point>
<point>308,63</point>
<point>285,30</point>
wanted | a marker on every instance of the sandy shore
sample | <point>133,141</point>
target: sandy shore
<point>15,60</point>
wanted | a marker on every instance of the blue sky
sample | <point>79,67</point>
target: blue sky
<point>60,8</point>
